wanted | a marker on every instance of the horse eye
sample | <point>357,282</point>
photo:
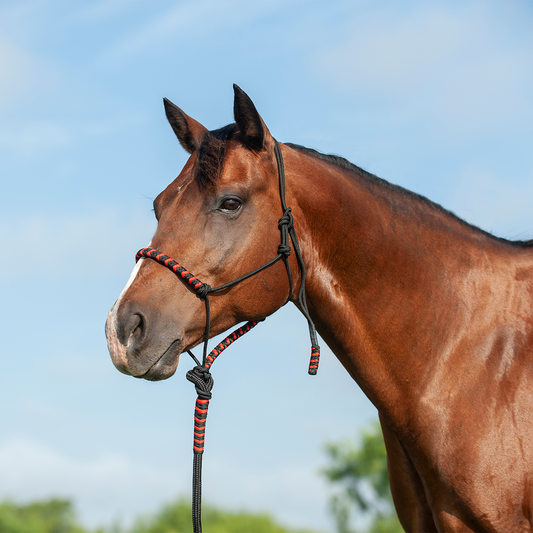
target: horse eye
<point>230,204</point>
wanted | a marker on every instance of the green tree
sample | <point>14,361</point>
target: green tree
<point>57,516</point>
<point>52,516</point>
<point>176,518</point>
<point>361,473</point>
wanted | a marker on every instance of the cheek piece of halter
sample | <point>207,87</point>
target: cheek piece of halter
<point>200,375</point>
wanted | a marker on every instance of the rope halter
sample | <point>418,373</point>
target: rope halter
<point>200,375</point>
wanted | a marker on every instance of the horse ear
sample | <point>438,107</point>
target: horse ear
<point>189,132</point>
<point>250,123</point>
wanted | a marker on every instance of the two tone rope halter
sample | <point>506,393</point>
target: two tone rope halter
<point>200,375</point>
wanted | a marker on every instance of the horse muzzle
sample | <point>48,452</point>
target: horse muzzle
<point>128,357</point>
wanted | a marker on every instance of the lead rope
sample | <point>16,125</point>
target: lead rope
<point>203,382</point>
<point>200,375</point>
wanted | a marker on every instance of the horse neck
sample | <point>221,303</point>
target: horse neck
<point>387,277</point>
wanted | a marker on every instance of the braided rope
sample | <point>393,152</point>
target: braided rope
<point>230,339</point>
<point>203,381</point>
<point>151,253</point>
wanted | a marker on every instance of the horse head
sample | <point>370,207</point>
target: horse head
<point>218,218</point>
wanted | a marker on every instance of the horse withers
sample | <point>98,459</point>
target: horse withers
<point>432,317</point>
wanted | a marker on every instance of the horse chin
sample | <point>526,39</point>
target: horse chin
<point>166,365</point>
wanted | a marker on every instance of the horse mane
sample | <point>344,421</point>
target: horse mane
<point>212,154</point>
<point>347,165</point>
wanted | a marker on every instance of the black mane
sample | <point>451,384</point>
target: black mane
<point>344,163</point>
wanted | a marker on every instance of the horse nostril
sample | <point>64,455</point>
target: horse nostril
<point>137,327</point>
<point>131,329</point>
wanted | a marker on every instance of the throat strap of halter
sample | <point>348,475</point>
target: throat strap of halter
<point>200,375</point>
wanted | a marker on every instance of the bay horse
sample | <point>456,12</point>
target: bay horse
<point>431,316</point>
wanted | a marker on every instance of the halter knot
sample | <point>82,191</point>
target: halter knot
<point>284,249</point>
<point>203,381</point>
<point>286,220</point>
<point>203,290</point>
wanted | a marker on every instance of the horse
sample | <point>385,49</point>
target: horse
<point>431,316</point>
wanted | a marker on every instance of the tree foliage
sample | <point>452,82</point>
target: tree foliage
<point>52,516</point>
<point>57,516</point>
<point>361,474</point>
<point>176,518</point>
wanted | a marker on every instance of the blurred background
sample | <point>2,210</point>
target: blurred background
<point>433,96</point>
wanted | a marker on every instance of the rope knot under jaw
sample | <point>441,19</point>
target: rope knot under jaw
<point>203,381</point>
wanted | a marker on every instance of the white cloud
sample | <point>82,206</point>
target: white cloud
<point>111,487</point>
<point>15,67</point>
<point>91,238</point>
<point>25,72</point>
<point>98,10</point>
<point>103,488</point>
<point>35,137</point>
<point>190,21</point>
<point>458,59</point>
<point>296,494</point>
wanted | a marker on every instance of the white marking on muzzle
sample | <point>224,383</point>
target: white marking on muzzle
<point>114,309</point>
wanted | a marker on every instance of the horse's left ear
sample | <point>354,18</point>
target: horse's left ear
<point>250,123</point>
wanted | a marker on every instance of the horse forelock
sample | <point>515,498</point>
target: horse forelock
<point>212,154</point>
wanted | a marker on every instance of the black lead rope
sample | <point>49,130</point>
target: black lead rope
<point>200,375</point>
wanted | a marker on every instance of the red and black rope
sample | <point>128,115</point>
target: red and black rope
<point>174,266</point>
<point>203,381</point>
<point>200,418</point>
<point>230,339</point>
<point>315,359</point>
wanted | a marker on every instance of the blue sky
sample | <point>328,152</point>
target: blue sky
<point>434,96</point>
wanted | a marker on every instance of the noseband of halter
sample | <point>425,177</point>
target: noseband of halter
<point>200,374</point>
